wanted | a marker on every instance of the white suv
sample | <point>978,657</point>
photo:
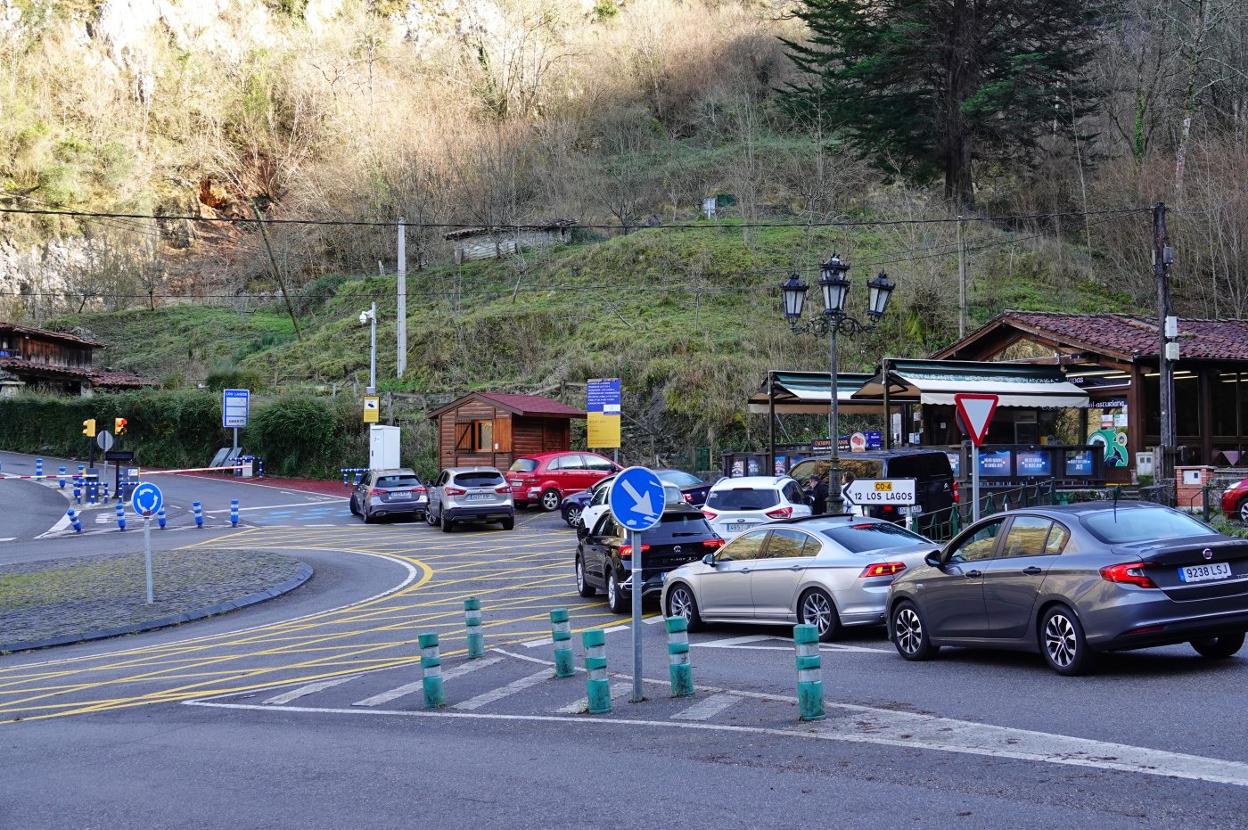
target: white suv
<point>734,505</point>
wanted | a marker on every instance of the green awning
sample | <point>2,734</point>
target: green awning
<point>806,393</point>
<point>935,382</point>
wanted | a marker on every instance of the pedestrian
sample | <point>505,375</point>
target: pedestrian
<point>849,505</point>
<point>818,488</point>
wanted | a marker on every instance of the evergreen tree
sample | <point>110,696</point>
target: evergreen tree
<point>940,84</point>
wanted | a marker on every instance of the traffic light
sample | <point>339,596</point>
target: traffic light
<point>88,427</point>
<point>119,426</point>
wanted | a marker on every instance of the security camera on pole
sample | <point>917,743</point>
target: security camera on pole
<point>636,501</point>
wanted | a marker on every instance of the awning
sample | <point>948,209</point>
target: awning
<point>935,382</point>
<point>806,393</point>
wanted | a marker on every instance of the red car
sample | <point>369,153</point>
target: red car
<point>1235,501</point>
<point>546,477</point>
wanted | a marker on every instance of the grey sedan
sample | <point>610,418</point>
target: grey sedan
<point>828,571</point>
<point>396,492</point>
<point>1072,581</point>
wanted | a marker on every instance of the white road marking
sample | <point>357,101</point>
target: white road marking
<point>416,686</point>
<point>302,691</point>
<point>658,618</point>
<point>536,643</point>
<point>707,708</point>
<point>272,506</point>
<point>732,642</point>
<point>581,704</point>
<point>494,695</point>
<point>8,539</point>
<point>616,628</point>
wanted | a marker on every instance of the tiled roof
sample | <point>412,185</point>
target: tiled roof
<point>532,404</point>
<point>45,334</point>
<point>110,379</point>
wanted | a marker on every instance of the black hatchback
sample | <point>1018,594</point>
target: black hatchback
<point>604,556</point>
<point>932,473</point>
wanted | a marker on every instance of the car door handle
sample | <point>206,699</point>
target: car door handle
<point>745,570</point>
<point>974,574</point>
<point>795,567</point>
<point>1032,570</point>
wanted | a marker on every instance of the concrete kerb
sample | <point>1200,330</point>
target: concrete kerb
<point>302,575</point>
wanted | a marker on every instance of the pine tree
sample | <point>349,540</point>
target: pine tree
<point>937,85</point>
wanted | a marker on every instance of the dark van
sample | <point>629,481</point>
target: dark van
<point>933,475</point>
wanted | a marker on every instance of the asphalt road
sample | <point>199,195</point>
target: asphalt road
<point>308,712</point>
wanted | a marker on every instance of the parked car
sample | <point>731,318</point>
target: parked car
<point>828,571</point>
<point>600,503</point>
<point>1235,501</point>
<point>547,477</point>
<point>603,556</point>
<point>396,492</point>
<point>692,488</point>
<point>574,505</point>
<point>735,505</point>
<point>470,494</point>
<point>1076,580</point>
<point>935,488</point>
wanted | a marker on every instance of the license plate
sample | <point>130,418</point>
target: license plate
<point>736,528</point>
<point>400,494</point>
<point>481,497</point>
<point>1203,573</point>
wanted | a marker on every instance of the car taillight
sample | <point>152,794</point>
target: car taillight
<point>626,551</point>
<point>421,489</point>
<point>957,494</point>
<point>503,488</point>
<point>1128,573</point>
<point>376,492</point>
<point>688,497</point>
<point>713,544</point>
<point>780,513</point>
<point>882,569</point>
<point>455,491</point>
<point>710,515</point>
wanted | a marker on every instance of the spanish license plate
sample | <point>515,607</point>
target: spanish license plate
<point>737,527</point>
<point>1203,573</point>
<point>478,497</point>
<point>400,494</point>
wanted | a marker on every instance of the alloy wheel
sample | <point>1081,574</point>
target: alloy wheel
<point>817,611</point>
<point>1060,641</point>
<point>574,516</point>
<point>1243,511</point>
<point>908,630</point>
<point>580,576</point>
<point>550,500</point>
<point>680,603</point>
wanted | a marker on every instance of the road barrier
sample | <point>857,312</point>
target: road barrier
<point>809,673</point>
<point>198,509</point>
<point>60,476</point>
<point>160,518</point>
<point>472,622</point>
<point>561,636</point>
<point>74,521</point>
<point>598,686</point>
<point>678,656</point>
<point>121,516</point>
<point>352,476</point>
<point>431,669</point>
<point>233,512</point>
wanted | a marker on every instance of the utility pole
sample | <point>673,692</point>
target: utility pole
<point>277,274</point>
<point>961,282</point>
<point>401,364</point>
<point>1163,256</point>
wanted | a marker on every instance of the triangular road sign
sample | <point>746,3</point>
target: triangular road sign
<point>975,411</point>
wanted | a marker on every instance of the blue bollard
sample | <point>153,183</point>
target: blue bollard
<point>60,476</point>
<point>106,491</point>
<point>259,468</point>
<point>121,516</point>
<point>77,492</point>
<point>198,510</point>
<point>39,467</point>
<point>345,474</point>
<point>160,518</point>
<point>233,512</point>
<point>74,520</point>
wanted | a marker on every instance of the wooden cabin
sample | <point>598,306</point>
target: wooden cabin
<point>55,362</point>
<point>496,243</point>
<point>491,429</point>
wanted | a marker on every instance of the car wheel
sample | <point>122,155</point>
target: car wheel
<point>447,524</point>
<point>550,500</point>
<point>508,524</point>
<point>680,603</point>
<point>1062,643</point>
<point>368,517</point>
<point>351,507</point>
<point>572,514</point>
<point>1219,646</point>
<point>615,597</point>
<point>1243,511</point>
<point>431,519</point>
<point>582,587</point>
<point>816,608</point>
<point>910,635</point>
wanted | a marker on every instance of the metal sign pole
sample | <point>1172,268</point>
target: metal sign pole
<point>974,482</point>
<point>236,440</point>
<point>638,581</point>
<point>147,553</point>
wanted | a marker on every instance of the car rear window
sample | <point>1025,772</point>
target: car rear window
<point>743,498</point>
<point>865,536</point>
<point>478,479</point>
<point>1150,524</point>
<point>523,465</point>
<point>679,477</point>
<point>927,465</point>
<point>682,525</point>
<point>391,482</point>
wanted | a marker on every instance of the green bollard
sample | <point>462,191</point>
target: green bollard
<point>561,634</point>
<point>472,621</point>
<point>431,666</point>
<point>809,675</point>
<point>678,656</point>
<point>598,687</point>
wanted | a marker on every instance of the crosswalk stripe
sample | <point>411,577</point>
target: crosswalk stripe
<point>416,686</point>
<point>493,695</point>
<point>618,690</point>
<point>708,708</point>
<point>295,694</point>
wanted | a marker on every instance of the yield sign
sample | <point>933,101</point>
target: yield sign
<point>975,411</point>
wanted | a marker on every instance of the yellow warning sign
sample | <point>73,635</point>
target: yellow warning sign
<point>602,431</point>
<point>372,409</point>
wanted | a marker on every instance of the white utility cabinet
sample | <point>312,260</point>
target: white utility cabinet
<point>383,447</point>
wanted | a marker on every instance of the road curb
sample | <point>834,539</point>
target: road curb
<point>302,575</point>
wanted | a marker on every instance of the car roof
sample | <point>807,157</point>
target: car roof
<point>1084,507</point>
<point>541,456</point>
<point>750,481</point>
<point>395,471</point>
<point>881,454</point>
<point>458,470</point>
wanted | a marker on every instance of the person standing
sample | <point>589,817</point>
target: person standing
<point>818,488</point>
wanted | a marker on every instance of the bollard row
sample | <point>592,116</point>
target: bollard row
<point>472,622</point>
<point>561,636</point>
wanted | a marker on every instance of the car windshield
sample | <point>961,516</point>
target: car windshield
<point>1151,524</point>
<point>522,465</point>
<point>390,482</point>
<point>482,479</point>
<point>865,536</point>
<point>743,498</point>
<point>679,477</point>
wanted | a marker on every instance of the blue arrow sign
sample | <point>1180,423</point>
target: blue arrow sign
<point>637,498</point>
<point>146,499</point>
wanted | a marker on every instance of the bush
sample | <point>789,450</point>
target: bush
<point>233,378</point>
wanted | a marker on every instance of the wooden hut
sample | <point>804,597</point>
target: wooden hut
<point>492,429</point>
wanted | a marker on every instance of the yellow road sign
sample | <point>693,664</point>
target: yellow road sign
<point>372,409</point>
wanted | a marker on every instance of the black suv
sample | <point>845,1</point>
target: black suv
<point>934,488</point>
<point>603,556</point>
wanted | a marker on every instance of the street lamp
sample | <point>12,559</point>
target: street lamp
<point>369,318</point>
<point>834,285</point>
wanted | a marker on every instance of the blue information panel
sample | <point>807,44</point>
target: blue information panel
<point>637,498</point>
<point>1034,463</point>
<point>235,407</point>
<point>1078,463</point>
<point>995,463</point>
<point>603,395</point>
<point>146,499</point>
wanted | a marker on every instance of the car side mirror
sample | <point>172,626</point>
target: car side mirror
<point>933,559</point>
<point>709,559</point>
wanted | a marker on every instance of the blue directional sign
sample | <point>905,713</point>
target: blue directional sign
<point>235,407</point>
<point>146,499</point>
<point>637,498</point>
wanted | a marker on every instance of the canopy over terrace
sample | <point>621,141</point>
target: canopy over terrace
<point>806,393</point>
<point>936,382</point>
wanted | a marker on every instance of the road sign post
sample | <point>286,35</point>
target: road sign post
<point>147,500</point>
<point>636,500</point>
<point>974,415</point>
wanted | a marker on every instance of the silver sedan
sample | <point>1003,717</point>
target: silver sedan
<point>828,571</point>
